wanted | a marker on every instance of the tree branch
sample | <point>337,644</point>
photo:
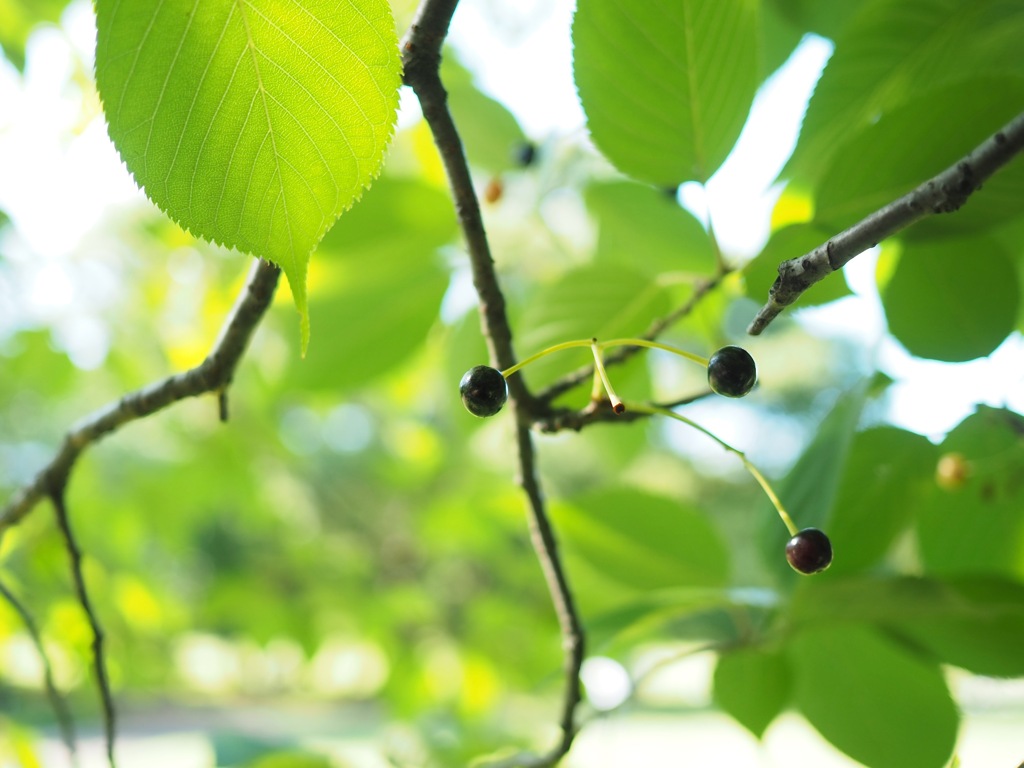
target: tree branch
<point>421,57</point>
<point>99,658</point>
<point>65,721</point>
<point>214,374</point>
<point>943,193</point>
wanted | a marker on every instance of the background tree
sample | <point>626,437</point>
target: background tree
<point>352,536</point>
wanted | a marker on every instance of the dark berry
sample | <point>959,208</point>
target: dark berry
<point>524,154</point>
<point>809,551</point>
<point>483,390</point>
<point>732,372</point>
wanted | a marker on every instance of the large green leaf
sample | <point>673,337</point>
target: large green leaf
<point>872,698</point>
<point>954,299</point>
<point>890,157</point>
<point>984,635</point>
<point>979,528</point>
<point>895,49</point>
<point>874,599</point>
<point>253,124</point>
<point>886,479</point>
<point>666,86</point>
<point>643,228</point>
<point>753,686</point>
<point>644,541</point>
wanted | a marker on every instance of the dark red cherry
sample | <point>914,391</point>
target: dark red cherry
<point>809,551</point>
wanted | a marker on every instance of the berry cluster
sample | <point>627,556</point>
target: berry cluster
<point>731,372</point>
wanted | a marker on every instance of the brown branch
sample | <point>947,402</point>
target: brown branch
<point>99,658</point>
<point>65,721</point>
<point>601,411</point>
<point>943,193</point>
<point>214,375</point>
<point>421,59</point>
<point>421,55</point>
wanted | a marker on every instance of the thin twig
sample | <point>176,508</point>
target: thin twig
<point>658,327</point>
<point>214,374</point>
<point>421,58</point>
<point>65,721</point>
<point>573,636</point>
<point>98,655</point>
<point>943,193</point>
<point>600,411</point>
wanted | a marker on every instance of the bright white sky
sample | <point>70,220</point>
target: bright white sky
<point>50,166</point>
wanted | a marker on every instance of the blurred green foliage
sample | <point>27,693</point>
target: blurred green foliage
<point>351,537</point>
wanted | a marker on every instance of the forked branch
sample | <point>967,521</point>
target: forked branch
<point>944,193</point>
<point>213,375</point>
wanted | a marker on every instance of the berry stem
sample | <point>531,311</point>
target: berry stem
<point>754,471</point>
<point>617,405</point>
<point>606,345</point>
<point>655,345</point>
<point>544,352</point>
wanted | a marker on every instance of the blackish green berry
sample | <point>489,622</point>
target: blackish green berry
<point>809,551</point>
<point>732,372</point>
<point>524,154</point>
<point>483,390</point>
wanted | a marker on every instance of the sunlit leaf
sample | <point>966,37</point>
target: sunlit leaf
<point>666,87</point>
<point>872,698</point>
<point>252,124</point>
